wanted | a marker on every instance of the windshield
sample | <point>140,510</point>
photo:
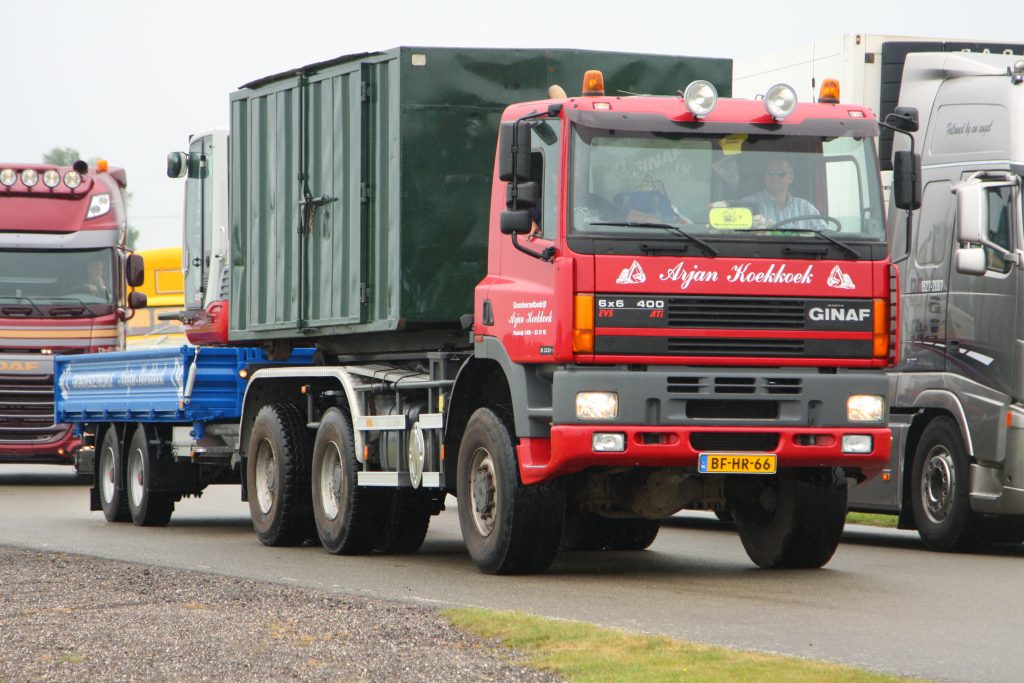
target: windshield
<point>56,283</point>
<point>721,188</point>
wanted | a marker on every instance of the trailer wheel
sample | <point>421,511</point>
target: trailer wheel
<point>348,519</point>
<point>277,475</point>
<point>146,506</point>
<point>110,478</point>
<point>509,528</point>
<point>940,482</point>
<point>789,520</point>
<point>406,517</point>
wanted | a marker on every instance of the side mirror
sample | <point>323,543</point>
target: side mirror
<point>971,261</point>
<point>177,164</point>
<point>971,212</point>
<point>137,300</point>
<point>522,195</point>
<point>135,272</point>
<point>906,180</point>
<point>904,119</point>
<point>516,222</point>
<point>514,156</point>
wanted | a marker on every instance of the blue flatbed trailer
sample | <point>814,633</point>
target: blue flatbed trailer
<point>173,412</point>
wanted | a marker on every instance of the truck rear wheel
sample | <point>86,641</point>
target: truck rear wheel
<point>939,489</point>
<point>110,478</point>
<point>277,476</point>
<point>509,528</point>
<point>790,520</point>
<point>348,519</point>
<point>406,517</point>
<point>146,506</point>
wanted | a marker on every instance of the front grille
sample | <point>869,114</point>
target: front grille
<point>716,441</point>
<point>732,410</point>
<point>717,346</point>
<point>26,409</point>
<point>737,313</point>
<point>734,384</point>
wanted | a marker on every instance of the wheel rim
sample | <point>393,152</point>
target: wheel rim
<point>938,484</point>
<point>136,476</point>
<point>107,474</point>
<point>330,481</point>
<point>483,491</point>
<point>266,476</point>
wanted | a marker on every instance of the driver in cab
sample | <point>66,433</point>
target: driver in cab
<point>776,204</point>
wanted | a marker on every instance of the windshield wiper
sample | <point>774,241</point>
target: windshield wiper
<point>664,226</point>
<point>78,307</point>
<point>818,233</point>
<point>21,309</point>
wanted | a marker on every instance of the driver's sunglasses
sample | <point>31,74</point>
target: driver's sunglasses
<point>777,174</point>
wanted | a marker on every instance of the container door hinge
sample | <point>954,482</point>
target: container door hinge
<point>365,193</point>
<point>364,293</point>
<point>364,92</point>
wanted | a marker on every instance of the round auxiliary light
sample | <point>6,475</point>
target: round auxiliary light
<point>72,179</point>
<point>701,98</point>
<point>8,177</point>
<point>29,177</point>
<point>51,179</point>
<point>1018,66</point>
<point>780,100</point>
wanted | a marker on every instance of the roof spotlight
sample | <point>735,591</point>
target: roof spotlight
<point>780,101</point>
<point>701,98</point>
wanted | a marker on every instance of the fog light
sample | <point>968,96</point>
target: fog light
<point>857,443</point>
<point>597,405</point>
<point>609,443</point>
<point>865,408</point>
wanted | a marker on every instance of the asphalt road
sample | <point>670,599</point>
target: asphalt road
<point>882,603</point>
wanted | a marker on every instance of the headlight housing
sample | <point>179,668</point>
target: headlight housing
<point>72,179</point>
<point>865,408</point>
<point>29,177</point>
<point>8,177</point>
<point>597,405</point>
<point>780,101</point>
<point>51,179</point>
<point>99,205</point>
<point>701,98</point>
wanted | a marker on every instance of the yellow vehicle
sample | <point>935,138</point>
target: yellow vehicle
<point>165,293</point>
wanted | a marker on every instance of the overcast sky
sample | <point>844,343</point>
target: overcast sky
<point>129,81</point>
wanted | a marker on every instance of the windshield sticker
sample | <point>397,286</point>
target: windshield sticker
<point>731,218</point>
<point>633,275</point>
<point>732,144</point>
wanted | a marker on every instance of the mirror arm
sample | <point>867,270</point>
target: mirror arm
<point>548,254</point>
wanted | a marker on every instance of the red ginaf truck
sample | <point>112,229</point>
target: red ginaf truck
<point>647,335</point>
<point>63,268</point>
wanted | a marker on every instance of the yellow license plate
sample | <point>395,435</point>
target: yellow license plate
<point>737,463</point>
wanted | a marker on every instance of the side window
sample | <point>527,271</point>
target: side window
<point>999,226</point>
<point>544,168</point>
<point>933,236</point>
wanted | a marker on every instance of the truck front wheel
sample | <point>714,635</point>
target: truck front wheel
<point>509,528</point>
<point>277,476</point>
<point>110,478</point>
<point>789,520</point>
<point>147,507</point>
<point>348,519</point>
<point>940,480</point>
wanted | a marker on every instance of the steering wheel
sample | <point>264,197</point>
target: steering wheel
<point>809,217</point>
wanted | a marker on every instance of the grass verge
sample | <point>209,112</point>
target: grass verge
<point>871,519</point>
<point>585,653</point>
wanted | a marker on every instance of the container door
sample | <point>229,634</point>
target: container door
<point>331,208</point>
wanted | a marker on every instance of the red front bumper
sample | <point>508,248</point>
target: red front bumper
<point>57,451</point>
<point>570,448</point>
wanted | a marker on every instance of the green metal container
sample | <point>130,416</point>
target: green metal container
<point>360,187</point>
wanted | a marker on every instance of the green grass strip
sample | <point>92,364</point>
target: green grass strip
<point>586,653</point>
<point>872,519</point>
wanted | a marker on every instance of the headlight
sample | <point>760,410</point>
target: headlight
<point>72,179</point>
<point>780,100</point>
<point>858,444</point>
<point>865,408</point>
<point>603,442</point>
<point>597,405</point>
<point>701,98</point>
<point>51,179</point>
<point>29,177</point>
<point>8,177</point>
<point>98,206</point>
